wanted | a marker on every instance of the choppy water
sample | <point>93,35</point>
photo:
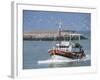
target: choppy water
<point>35,51</point>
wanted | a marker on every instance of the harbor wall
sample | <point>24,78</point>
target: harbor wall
<point>49,36</point>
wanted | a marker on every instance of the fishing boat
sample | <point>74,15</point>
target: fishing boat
<point>68,48</point>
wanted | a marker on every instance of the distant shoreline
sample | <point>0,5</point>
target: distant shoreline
<point>50,36</point>
<point>51,39</point>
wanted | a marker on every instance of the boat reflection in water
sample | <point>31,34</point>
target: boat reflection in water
<point>57,61</point>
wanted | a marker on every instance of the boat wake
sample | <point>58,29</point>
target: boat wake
<point>59,59</point>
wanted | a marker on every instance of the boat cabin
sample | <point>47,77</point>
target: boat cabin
<point>64,46</point>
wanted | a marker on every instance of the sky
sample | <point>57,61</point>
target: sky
<point>49,21</point>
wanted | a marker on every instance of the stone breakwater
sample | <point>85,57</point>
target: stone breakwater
<point>50,36</point>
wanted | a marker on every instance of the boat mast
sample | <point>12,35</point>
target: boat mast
<point>59,32</point>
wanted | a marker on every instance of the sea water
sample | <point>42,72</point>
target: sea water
<point>35,51</point>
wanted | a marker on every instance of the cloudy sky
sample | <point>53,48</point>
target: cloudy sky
<point>48,21</point>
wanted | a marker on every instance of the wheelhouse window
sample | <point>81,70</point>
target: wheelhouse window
<point>62,46</point>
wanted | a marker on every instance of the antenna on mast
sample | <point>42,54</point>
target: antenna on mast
<point>60,24</point>
<point>59,30</point>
